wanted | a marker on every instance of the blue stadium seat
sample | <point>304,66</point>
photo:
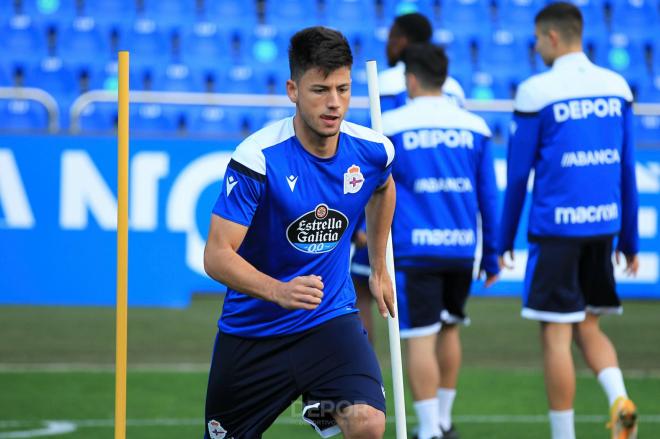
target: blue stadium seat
<point>291,14</point>
<point>350,15</point>
<point>504,56</point>
<point>647,130</point>
<point>205,46</point>
<point>49,12</point>
<point>240,78</point>
<point>636,18</point>
<point>214,120</point>
<point>367,45</point>
<point>467,18</point>
<point>22,115</point>
<point>483,86</point>
<point>359,86</point>
<point>649,90</point>
<point>150,118</point>
<point>394,8</point>
<point>82,43</point>
<point>458,51</point>
<point>149,47</point>
<point>265,47</point>
<point>593,14</point>
<point>5,77</point>
<point>52,75</point>
<point>518,16</point>
<point>622,55</point>
<point>178,77</point>
<point>655,49</point>
<point>171,13</point>
<point>232,14</point>
<point>98,118</point>
<point>111,13</point>
<point>23,40</point>
<point>260,116</point>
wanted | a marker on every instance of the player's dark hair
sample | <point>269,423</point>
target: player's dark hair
<point>318,47</point>
<point>416,27</point>
<point>428,63</point>
<point>563,17</point>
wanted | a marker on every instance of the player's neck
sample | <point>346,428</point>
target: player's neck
<point>319,146</point>
<point>426,93</point>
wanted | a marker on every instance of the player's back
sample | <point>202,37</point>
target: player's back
<point>440,151</point>
<point>581,115</point>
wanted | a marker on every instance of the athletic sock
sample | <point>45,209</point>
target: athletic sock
<point>445,404</point>
<point>611,380</point>
<point>427,414</point>
<point>561,424</point>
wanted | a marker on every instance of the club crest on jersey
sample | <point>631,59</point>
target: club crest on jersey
<point>318,231</point>
<point>353,180</point>
<point>215,430</point>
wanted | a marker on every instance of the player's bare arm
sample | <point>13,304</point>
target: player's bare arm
<point>224,264</point>
<point>379,213</point>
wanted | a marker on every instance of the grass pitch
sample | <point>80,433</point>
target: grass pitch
<point>56,373</point>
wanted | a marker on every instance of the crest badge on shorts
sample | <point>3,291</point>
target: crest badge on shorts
<point>215,430</point>
<point>353,180</point>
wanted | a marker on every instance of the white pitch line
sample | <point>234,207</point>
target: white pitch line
<point>466,419</point>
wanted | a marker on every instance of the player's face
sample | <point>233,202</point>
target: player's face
<point>321,101</point>
<point>544,46</point>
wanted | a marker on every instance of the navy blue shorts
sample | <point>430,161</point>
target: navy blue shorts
<point>567,277</point>
<point>253,380</point>
<point>427,298</point>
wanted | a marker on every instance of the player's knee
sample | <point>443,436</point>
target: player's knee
<point>366,422</point>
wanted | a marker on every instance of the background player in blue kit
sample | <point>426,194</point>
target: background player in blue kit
<point>279,239</point>
<point>445,178</point>
<point>573,125</point>
<point>407,29</point>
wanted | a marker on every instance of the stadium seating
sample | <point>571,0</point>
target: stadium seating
<point>231,14</point>
<point>98,118</point>
<point>636,18</point>
<point>23,39</point>
<point>22,115</point>
<point>82,42</point>
<point>239,46</point>
<point>467,18</point>
<point>151,119</point>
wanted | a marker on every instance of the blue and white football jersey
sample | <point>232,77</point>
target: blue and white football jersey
<point>393,93</point>
<point>301,211</point>
<point>445,178</point>
<point>573,125</point>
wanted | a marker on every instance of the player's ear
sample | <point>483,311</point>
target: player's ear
<point>292,90</point>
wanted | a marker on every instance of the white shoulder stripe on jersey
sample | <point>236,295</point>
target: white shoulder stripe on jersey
<point>579,79</point>
<point>432,112</point>
<point>365,133</point>
<point>250,152</point>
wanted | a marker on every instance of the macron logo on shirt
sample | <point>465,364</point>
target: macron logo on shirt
<point>231,182</point>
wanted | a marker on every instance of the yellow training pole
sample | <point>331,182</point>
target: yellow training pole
<point>122,250</point>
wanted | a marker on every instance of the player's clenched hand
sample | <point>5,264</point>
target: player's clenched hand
<point>380,285</point>
<point>302,292</point>
<point>503,263</point>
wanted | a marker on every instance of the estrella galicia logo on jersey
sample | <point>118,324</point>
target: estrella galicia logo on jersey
<point>318,231</point>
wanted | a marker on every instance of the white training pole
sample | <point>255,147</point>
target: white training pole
<point>392,323</point>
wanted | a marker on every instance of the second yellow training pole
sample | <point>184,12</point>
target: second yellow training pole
<point>122,250</point>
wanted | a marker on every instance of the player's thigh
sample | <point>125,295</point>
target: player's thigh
<point>455,292</point>
<point>552,289</point>
<point>420,294</point>
<point>336,369</point>
<point>597,277</point>
<point>250,384</point>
